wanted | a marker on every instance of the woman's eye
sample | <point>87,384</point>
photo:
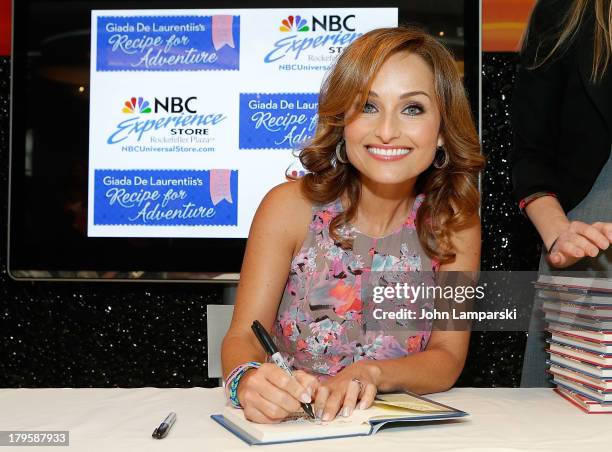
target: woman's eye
<point>369,108</point>
<point>413,110</point>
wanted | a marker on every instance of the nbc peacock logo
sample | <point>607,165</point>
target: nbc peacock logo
<point>136,105</point>
<point>292,23</point>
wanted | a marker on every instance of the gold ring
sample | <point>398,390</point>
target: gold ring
<point>358,381</point>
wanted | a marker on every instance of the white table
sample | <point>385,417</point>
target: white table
<point>108,420</point>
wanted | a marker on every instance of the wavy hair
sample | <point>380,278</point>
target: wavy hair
<point>452,192</point>
<point>557,41</point>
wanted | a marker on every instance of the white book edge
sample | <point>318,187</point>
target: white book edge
<point>583,283</point>
<point>598,336</point>
<point>564,307</point>
<point>590,358</point>
<point>572,320</point>
<point>577,365</point>
<point>606,383</point>
<point>591,406</point>
<point>587,345</point>
<point>588,392</point>
<point>574,297</point>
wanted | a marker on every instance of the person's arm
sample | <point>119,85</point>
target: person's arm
<point>267,394</point>
<point>567,241</point>
<point>433,370</point>
<point>536,105</point>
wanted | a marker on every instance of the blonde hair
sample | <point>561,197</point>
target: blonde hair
<point>602,44</point>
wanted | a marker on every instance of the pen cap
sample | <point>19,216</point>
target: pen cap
<point>264,338</point>
<point>162,430</point>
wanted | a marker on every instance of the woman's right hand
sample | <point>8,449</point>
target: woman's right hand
<point>579,240</point>
<point>268,395</point>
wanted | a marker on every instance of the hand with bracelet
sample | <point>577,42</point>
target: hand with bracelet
<point>566,241</point>
<point>268,395</point>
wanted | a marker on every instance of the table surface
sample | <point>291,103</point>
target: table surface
<point>501,419</point>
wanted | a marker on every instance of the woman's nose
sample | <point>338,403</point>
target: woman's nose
<point>387,127</point>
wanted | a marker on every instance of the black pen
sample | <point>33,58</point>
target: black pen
<point>270,348</point>
<point>163,429</point>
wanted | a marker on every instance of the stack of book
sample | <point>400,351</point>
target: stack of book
<point>578,312</point>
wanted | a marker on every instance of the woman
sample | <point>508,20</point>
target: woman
<point>562,167</point>
<point>395,137</point>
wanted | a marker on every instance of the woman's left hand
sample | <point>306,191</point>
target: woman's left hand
<point>357,383</point>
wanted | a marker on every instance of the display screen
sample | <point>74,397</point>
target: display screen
<point>145,134</point>
<point>194,113</point>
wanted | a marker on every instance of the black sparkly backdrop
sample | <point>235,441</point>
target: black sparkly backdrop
<point>96,334</point>
<point>509,242</point>
<point>140,334</point>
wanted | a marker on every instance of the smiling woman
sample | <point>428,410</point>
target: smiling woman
<point>400,122</point>
<point>420,82</point>
<point>391,188</point>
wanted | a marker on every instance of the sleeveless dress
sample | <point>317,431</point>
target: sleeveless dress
<point>320,325</point>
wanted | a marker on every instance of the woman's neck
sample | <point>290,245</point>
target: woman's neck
<point>383,207</point>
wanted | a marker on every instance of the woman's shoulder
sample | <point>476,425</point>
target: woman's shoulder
<point>286,199</point>
<point>290,198</point>
<point>287,207</point>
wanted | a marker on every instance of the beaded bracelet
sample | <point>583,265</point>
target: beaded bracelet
<point>233,379</point>
<point>529,199</point>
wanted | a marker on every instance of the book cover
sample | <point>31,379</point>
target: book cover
<point>580,366</point>
<point>601,384</point>
<point>578,321</point>
<point>575,297</point>
<point>582,333</point>
<point>579,342</point>
<point>387,408</point>
<point>586,285</point>
<point>599,396</point>
<point>584,403</point>
<point>603,360</point>
<point>581,310</point>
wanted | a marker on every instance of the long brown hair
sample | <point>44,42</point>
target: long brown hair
<point>452,193</point>
<point>569,26</point>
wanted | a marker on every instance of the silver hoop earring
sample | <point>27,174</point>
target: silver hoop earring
<point>339,157</point>
<point>440,150</point>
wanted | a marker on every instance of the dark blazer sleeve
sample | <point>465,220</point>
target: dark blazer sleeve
<point>536,106</point>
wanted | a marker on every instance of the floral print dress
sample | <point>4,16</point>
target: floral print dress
<point>320,325</point>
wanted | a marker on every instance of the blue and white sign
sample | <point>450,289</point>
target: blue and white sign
<point>168,43</point>
<point>166,197</point>
<point>277,121</point>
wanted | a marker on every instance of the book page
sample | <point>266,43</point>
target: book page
<point>300,426</point>
<point>410,402</point>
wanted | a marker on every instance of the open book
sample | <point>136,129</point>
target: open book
<point>387,408</point>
